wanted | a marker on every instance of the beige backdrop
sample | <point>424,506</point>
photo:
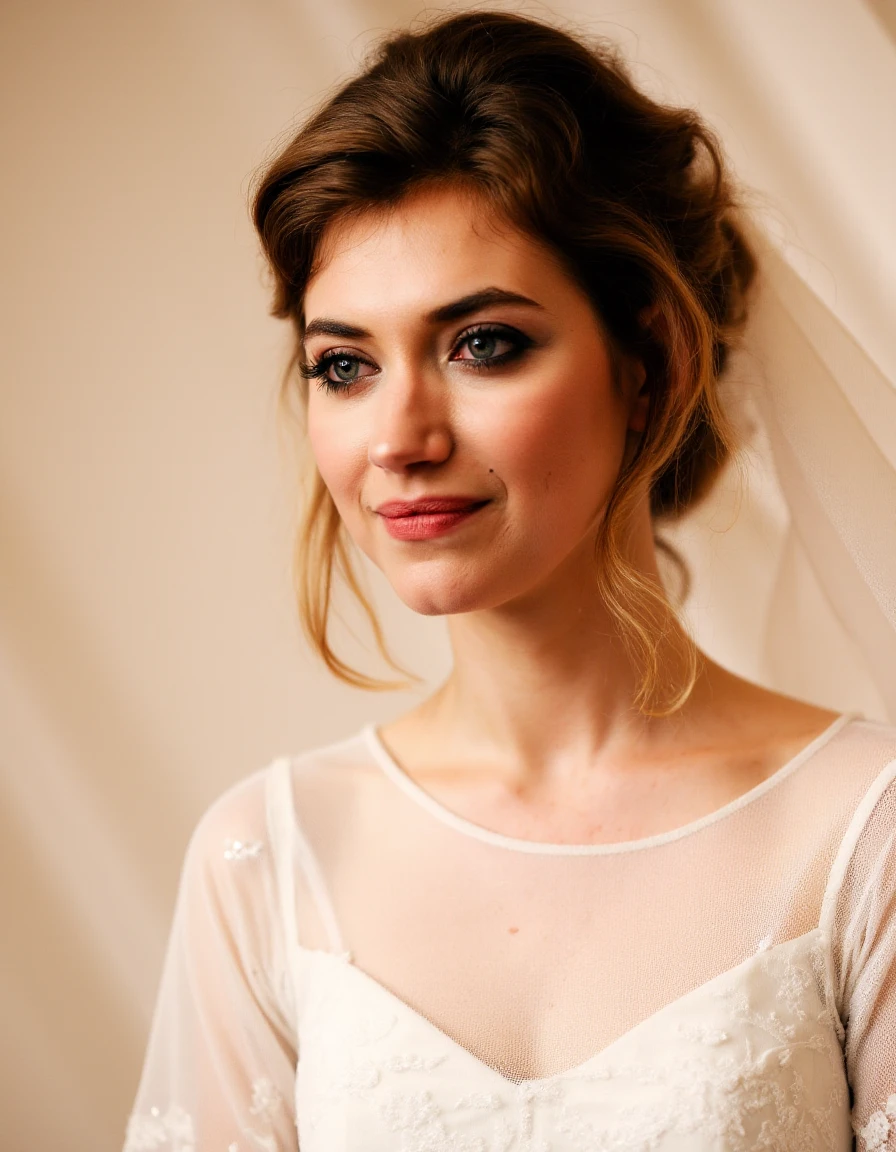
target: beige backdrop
<point>149,654</point>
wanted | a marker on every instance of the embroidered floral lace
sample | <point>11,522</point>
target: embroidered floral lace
<point>354,968</point>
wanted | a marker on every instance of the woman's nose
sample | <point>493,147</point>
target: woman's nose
<point>412,422</point>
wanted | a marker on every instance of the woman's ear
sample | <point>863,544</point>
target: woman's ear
<point>638,392</point>
<point>640,398</point>
<point>652,321</point>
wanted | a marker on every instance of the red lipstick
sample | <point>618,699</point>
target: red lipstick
<point>428,517</point>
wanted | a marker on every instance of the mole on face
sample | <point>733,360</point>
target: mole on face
<point>512,930</point>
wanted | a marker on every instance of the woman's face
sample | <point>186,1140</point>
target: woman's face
<point>454,357</point>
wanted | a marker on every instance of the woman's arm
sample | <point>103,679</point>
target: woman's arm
<point>864,933</point>
<point>220,1066</point>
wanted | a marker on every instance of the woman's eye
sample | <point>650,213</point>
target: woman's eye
<point>344,369</point>
<point>489,346</point>
<point>337,370</point>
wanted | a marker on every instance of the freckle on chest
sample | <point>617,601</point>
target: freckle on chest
<point>512,931</point>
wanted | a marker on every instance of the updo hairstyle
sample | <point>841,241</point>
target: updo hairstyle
<point>632,196</point>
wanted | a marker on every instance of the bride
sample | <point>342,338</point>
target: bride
<point>596,891</point>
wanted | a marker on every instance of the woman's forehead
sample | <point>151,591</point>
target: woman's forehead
<point>433,221</point>
<point>436,246</point>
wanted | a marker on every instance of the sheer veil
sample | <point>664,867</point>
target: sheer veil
<point>794,571</point>
<point>793,557</point>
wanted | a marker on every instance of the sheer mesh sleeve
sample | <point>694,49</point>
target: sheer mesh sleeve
<point>220,1066</point>
<point>863,923</point>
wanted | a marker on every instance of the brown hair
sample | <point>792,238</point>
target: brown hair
<point>631,195</point>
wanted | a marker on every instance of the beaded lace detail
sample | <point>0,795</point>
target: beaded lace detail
<point>242,849</point>
<point>172,1130</point>
<point>881,1125</point>
<point>175,1131</point>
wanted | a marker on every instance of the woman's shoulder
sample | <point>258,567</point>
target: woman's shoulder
<point>864,749</point>
<point>239,823</point>
<point>842,750</point>
<point>841,773</point>
<point>864,755</point>
<point>863,871</point>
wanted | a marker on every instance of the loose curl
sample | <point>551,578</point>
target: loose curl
<point>632,196</point>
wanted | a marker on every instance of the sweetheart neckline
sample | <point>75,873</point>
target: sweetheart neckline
<point>344,962</point>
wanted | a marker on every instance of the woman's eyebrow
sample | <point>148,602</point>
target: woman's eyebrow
<point>456,310</point>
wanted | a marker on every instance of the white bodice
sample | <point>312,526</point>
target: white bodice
<point>750,1060</point>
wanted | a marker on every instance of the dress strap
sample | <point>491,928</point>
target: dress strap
<point>278,799</point>
<point>291,851</point>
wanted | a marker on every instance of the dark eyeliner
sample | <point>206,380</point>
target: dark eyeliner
<point>318,369</point>
<point>521,343</point>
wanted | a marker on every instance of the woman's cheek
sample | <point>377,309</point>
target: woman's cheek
<point>559,447</point>
<point>339,456</point>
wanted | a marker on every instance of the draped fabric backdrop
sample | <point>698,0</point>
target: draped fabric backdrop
<point>149,654</point>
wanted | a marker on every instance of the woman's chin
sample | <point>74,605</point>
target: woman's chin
<point>448,604</point>
<point>446,598</point>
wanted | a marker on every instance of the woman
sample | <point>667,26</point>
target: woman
<point>596,892</point>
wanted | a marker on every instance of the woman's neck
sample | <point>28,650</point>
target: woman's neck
<point>540,681</point>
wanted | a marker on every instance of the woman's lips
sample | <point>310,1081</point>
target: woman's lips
<point>429,504</point>
<point>426,525</point>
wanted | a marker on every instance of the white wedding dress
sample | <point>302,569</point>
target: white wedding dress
<point>355,968</point>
